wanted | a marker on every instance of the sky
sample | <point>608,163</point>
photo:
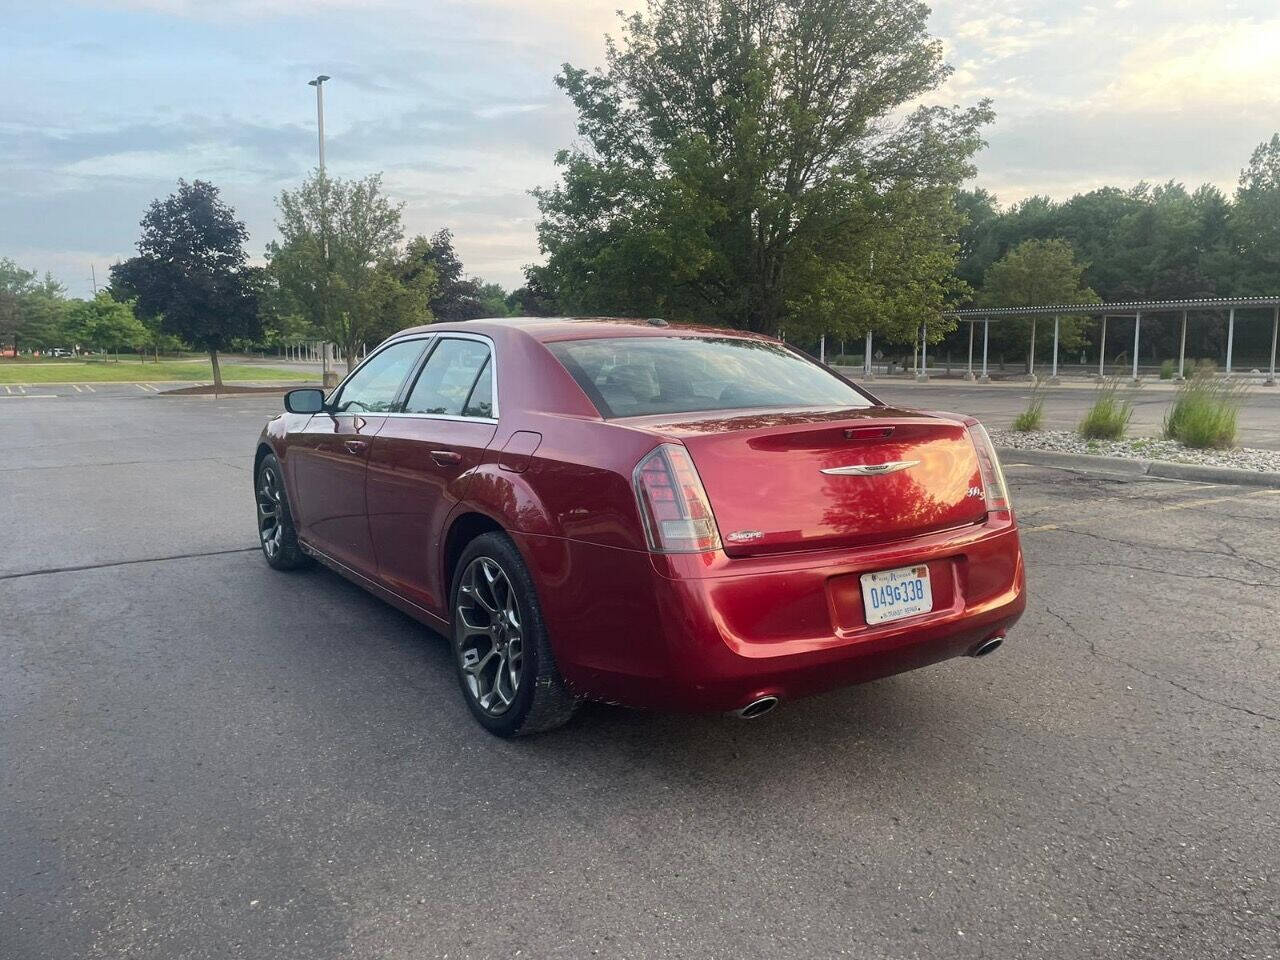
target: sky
<point>106,104</point>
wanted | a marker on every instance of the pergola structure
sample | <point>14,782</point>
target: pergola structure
<point>1136,309</point>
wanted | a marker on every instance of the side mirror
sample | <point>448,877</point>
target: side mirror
<point>305,400</point>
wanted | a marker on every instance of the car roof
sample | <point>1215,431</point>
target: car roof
<point>548,329</point>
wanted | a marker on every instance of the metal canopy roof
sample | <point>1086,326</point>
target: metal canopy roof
<point>1114,309</point>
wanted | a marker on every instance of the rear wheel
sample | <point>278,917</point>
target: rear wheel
<point>505,667</point>
<point>276,533</point>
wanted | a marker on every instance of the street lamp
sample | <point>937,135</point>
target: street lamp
<point>318,83</point>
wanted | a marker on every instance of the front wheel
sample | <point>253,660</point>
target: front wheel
<point>505,666</point>
<point>276,533</point>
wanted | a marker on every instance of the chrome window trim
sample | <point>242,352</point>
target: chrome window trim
<point>493,360</point>
<point>440,416</point>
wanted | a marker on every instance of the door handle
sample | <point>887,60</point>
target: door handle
<point>355,447</point>
<point>446,458</point>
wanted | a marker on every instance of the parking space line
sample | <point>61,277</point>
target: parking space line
<point>1166,508</point>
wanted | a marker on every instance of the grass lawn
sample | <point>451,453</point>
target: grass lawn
<point>93,371</point>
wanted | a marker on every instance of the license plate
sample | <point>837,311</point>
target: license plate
<point>894,594</point>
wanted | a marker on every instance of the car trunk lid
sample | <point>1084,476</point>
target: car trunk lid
<point>813,480</point>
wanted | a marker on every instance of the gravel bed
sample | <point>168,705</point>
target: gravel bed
<point>1139,448</point>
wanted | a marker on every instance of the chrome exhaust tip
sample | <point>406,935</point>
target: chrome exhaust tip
<point>990,645</point>
<point>756,708</point>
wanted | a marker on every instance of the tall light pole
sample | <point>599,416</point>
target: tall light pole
<point>318,83</point>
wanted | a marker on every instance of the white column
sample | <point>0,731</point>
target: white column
<point>986,331</point>
<point>866,357</point>
<point>969,374</point>
<point>1137,330</point>
<point>1182,349</point>
<point>923,373</point>
<point>822,348</point>
<point>1054,374</point>
<point>1231,335</point>
<point>1275,329</point>
<point>1102,349</point>
<point>1031,354</point>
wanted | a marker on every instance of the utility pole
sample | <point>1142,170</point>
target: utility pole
<point>93,276</point>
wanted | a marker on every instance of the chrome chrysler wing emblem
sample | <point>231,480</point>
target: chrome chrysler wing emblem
<point>870,469</point>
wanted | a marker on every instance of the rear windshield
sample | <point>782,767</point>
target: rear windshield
<point>639,376</point>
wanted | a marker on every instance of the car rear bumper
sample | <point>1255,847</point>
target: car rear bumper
<point>705,633</point>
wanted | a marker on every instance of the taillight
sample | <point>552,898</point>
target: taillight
<point>993,485</point>
<point>674,507</point>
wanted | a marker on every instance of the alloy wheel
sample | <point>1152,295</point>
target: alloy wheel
<point>489,639</point>
<point>270,506</point>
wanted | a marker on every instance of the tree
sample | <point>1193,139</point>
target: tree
<point>31,309</point>
<point>106,324</point>
<point>455,297</point>
<point>1037,273</point>
<point>743,161</point>
<point>493,300</point>
<point>534,299</point>
<point>192,272</point>
<point>1256,220</point>
<point>336,262</point>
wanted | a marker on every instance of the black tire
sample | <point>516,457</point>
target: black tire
<point>486,638</point>
<point>277,535</point>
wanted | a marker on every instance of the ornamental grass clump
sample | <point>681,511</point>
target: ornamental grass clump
<point>1032,418</point>
<point>1205,412</point>
<point>1109,416</point>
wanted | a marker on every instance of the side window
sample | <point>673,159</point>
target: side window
<point>373,388</point>
<point>451,375</point>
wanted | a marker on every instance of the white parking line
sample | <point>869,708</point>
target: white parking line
<point>89,388</point>
<point>76,388</point>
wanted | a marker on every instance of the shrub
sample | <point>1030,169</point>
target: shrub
<point>1109,416</point>
<point>1205,412</point>
<point>1032,418</point>
<point>1167,369</point>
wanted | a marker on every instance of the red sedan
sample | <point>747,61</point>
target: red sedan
<point>629,511</point>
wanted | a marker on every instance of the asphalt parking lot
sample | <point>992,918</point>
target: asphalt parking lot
<point>200,757</point>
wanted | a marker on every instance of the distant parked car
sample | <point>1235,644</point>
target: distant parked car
<point>59,352</point>
<point>632,512</point>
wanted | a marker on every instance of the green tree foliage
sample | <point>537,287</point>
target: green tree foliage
<point>337,262</point>
<point>493,300</point>
<point>32,310</point>
<point>759,165</point>
<point>192,271</point>
<point>1256,221</point>
<point>535,298</point>
<point>1037,273</point>
<point>106,324</point>
<point>454,297</point>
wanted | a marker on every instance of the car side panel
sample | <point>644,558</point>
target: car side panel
<point>410,494</point>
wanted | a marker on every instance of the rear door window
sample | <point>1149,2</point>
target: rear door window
<point>454,382</point>
<point>642,376</point>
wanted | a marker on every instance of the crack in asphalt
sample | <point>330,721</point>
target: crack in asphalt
<point>112,463</point>
<point>1094,651</point>
<point>124,563</point>
<point>1231,552</point>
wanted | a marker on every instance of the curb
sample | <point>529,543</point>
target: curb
<point>1163,469</point>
